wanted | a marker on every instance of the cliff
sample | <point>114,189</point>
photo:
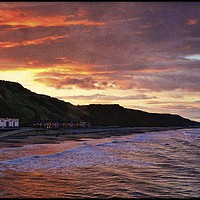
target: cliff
<point>17,101</point>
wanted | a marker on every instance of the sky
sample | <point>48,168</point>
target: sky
<point>141,55</point>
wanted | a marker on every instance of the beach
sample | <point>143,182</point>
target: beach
<point>97,163</point>
<point>29,135</point>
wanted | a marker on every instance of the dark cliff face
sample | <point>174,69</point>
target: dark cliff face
<point>118,115</point>
<point>17,101</point>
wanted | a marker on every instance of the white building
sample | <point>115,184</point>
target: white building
<point>9,123</point>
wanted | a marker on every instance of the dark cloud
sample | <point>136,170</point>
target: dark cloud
<point>170,82</point>
<point>109,97</point>
<point>70,82</point>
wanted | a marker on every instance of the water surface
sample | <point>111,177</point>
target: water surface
<point>154,164</point>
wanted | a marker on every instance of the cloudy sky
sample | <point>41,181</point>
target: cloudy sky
<point>143,56</point>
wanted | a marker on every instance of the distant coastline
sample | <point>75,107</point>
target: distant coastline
<point>31,108</point>
<point>29,135</point>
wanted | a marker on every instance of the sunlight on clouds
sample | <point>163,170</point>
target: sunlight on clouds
<point>192,22</point>
<point>31,19</point>
<point>30,42</point>
<point>193,57</point>
<point>24,77</point>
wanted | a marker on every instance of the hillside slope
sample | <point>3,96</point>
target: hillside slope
<point>118,115</point>
<point>17,101</point>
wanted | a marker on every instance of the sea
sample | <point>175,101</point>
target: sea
<point>163,164</point>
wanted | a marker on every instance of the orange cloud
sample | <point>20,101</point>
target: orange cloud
<point>123,20</point>
<point>69,82</point>
<point>68,78</point>
<point>185,48</point>
<point>9,65</point>
<point>29,19</point>
<point>144,26</point>
<point>192,22</point>
<point>156,70</point>
<point>30,42</point>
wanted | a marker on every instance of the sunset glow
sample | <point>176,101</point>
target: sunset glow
<point>142,56</point>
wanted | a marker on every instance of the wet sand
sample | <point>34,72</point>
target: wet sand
<point>26,135</point>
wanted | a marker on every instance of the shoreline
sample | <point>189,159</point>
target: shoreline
<point>24,136</point>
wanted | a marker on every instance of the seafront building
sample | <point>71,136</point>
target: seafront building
<point>7,123</point>
<point>61,124</point>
